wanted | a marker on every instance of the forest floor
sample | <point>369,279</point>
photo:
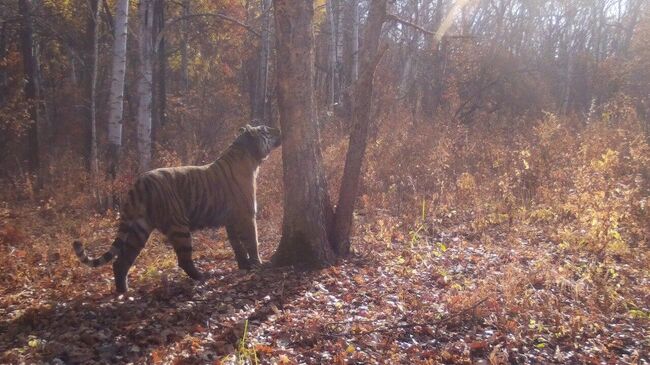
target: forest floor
<point>440,293</point>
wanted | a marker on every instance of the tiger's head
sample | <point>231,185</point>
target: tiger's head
<point>259,141</point>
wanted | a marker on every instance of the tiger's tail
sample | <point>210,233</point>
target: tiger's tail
<point>105,258</point>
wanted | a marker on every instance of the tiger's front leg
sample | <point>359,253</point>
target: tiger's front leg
<point>240,253</point>
<point>249,241</point>
<point>246,232</point>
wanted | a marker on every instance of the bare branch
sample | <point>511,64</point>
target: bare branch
<point>407,23</point>
<point>224,17</point>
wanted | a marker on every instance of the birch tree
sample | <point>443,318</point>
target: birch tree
<point>116,98</point>
<point>145,52</point>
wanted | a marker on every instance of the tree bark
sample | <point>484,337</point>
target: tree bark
<point>116,100</point>
<point>145,52</point>
<point>370,56</point>
<point>306,203</point>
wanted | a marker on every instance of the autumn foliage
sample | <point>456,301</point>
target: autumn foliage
<point>493,224</point>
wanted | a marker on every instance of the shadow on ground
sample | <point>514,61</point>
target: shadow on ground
<point>94,327</point>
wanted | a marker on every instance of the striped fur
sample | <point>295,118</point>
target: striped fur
<point>179,200</point>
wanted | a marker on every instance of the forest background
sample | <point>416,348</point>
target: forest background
<point>502,211</point>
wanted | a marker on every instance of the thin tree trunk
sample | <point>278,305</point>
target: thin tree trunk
<point>355,40</point>
<point>370,56</point>
<point>331,16</point>
<point>31,84</point>
<point>160,102</point>
<point>145,52</point>
<point>94,162</point>
<point>116,101</point>
<point>306,201</point>
<point>87,79</point>
<point>185,81</point>
<point>3,68</point>
<point>261,87</point>
<point>350,53</point>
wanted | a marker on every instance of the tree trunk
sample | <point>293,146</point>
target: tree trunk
<point>3,69</point>
<point>116,100</point>
<point>31,84</point>
<point>370,56</point>
<point>350,53</point>
<point>87,79</point>
<point>261,87</point>
<point>306,203</point>
<point>185,80</point>
<point>160,102</point>
<point>94,162</point>
<point>145,52</point>
<point>331,91</point>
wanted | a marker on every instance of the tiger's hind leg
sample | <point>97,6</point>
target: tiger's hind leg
<point>181,240</point>
<point>133,237</point>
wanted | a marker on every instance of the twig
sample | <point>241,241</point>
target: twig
<point>408,23</point>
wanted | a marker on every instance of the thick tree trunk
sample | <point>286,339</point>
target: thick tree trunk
<point>116,99</point>
<point>306,203</point>
<point>145,52</point>
<point>370,56</point>
<point>31,85</point>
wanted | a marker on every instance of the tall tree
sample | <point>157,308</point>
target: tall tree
<point>30,65</point>
<point>306,202</point>
<point>369,58</point>
<point>145,52</point>
<point>332,17</point>
<point>89,79</point>
<point>350,53</point>
<point>261,88</point>
<point>185,79</point>
<point>159,77</point>
<point>94,161</point>
<point>116,101</point>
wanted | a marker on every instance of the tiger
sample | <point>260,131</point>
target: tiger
<point>179,200</point>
